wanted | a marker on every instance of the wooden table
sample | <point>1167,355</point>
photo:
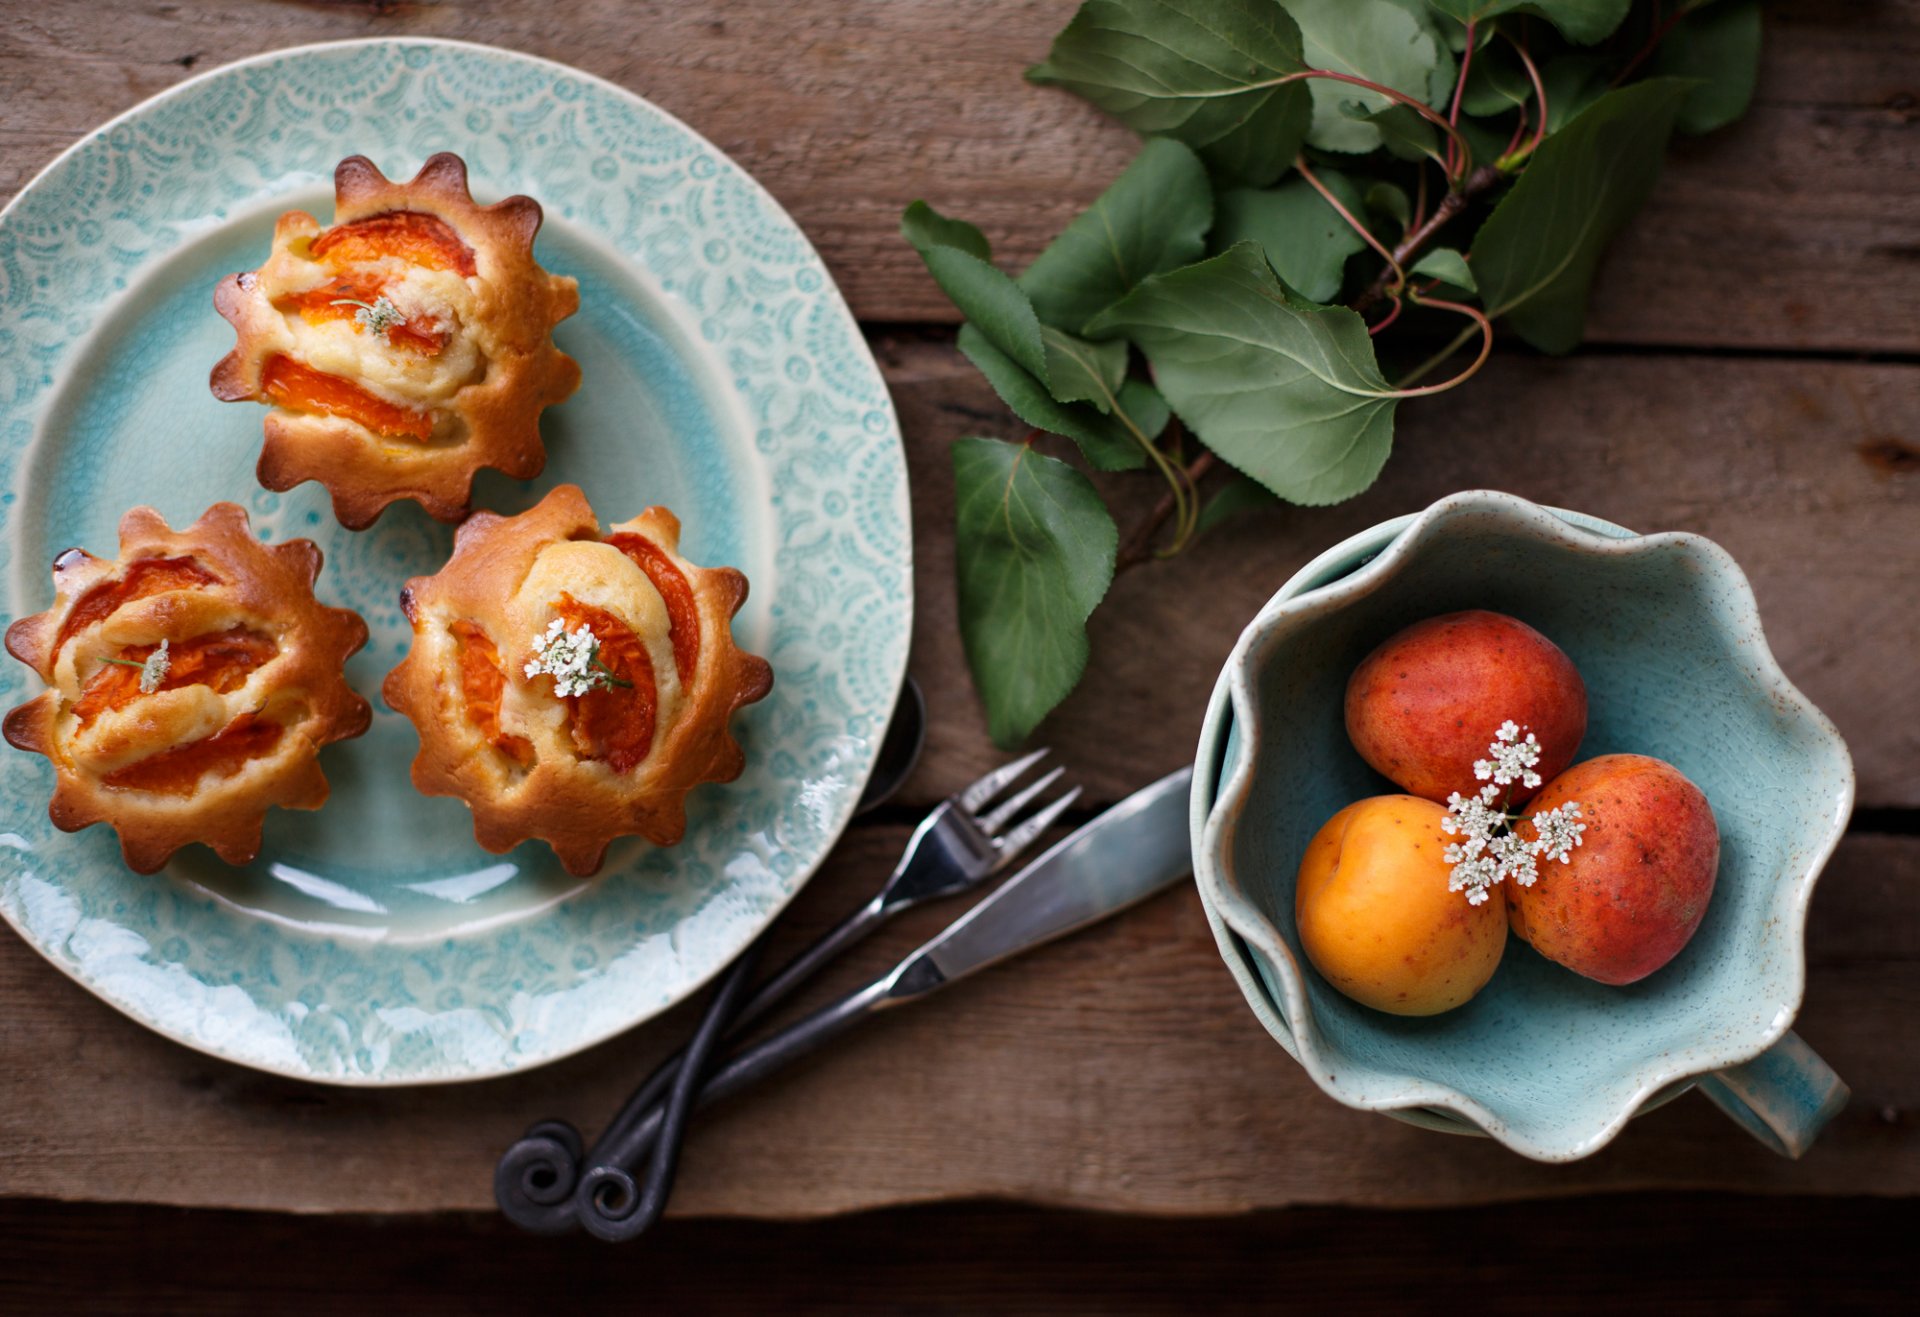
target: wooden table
<point>1752,373</point>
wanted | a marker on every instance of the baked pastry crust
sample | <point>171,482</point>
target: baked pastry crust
<point>574,771</point>
<point>411,403</point>
<point>253,688</point>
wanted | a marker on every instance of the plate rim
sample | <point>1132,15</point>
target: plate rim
<point>897,664</point>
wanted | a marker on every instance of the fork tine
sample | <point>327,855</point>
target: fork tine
<point>974,797</point>
<point>1011,845</point>
<point>1003,814</point>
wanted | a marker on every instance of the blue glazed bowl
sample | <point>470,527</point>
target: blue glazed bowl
<point>1665,631</point>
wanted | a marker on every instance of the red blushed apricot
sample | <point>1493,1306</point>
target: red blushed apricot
<point>1632,893</point>
<point>299,386</point>
<point>219,660</point>
<point>614,723</point>
<point>343,298</point>
<point>177,771</point>
<point>144,577</point>
<point>1426,704</point>
<point>683,615</point>
<point>1376,918</point>
<point>413,236</point>
<point>482,685</point>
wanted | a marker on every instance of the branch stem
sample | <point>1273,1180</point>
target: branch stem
<point>1326,195</point>
<point>1409,246</point>
<point>1138,546</point>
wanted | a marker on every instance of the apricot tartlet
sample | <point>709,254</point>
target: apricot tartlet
<point>191,682</point>
<point>574,686</point>
<point>402,349</point>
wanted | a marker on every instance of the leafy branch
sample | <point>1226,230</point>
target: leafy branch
<point>1246,305</point>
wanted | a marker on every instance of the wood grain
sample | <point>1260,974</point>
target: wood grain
<point>1798,228</point>
<point>1764,457</point>
<point>1117,1070</point>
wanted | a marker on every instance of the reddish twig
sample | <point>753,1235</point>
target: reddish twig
<point>1326,195</point>
<point>1450,205</point>
<point>1459,89</point>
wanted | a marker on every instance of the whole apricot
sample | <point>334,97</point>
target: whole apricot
<point>1634,890</point>
<point>1425,705</point>
<point>1376,918</point>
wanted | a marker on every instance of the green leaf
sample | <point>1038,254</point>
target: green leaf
<point>1446,265</point>
<point>1239,495</point>
<point>1496,82</point>
<point>1104,440</point>
<point>1535,255</point>
<point>1083,371</point>
<point>1144,406</point>
<point>1201,71</point>
<point>990,301</point>
<point>1390,200</point>
<point>1034,552</point>
<point>1305,239</point>
<point>1405,133</point>
<point>1719,45</point>
<point>1377,40</point>
<point>926,228</point>
<point>1447,69</point>
<point>1153,218</point>
<point>1287,391</point>
<point>1581,21</point>
<point>1572,83</point>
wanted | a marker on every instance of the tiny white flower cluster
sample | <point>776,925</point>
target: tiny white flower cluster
<point>570,658</point>
<point>1513,759</point>
<point>1490,851</point>
<point>154,670</point>
<point>376,318</point>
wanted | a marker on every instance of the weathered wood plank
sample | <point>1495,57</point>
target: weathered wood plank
<point>1764,457</point>
<point>1118,1070</point>
<point>1798,228</point>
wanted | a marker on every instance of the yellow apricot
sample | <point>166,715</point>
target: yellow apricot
<point>1376,918</point>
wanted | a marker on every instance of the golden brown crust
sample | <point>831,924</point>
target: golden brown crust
<point>503,578</point>
<point>264,591</point>
<point>482,392</point>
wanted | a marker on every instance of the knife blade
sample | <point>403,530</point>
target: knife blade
<point>1124,856</point>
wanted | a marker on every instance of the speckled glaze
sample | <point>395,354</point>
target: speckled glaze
<point>373,942</point>
<point>1666,633</point>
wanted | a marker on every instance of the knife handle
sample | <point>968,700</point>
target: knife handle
<point>610,1182</point>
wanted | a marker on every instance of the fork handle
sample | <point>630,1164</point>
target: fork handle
<point>611,1164</point>
<point>788,979</point>
<point>620,1144</point>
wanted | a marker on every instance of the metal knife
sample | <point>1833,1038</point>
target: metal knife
<point>1128,853</point>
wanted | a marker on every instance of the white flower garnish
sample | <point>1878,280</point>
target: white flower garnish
<point>1513,759</point>
<point>376,317</point>
<point>1490,851</point>
<point>572,659</point>
<point>153,669</point>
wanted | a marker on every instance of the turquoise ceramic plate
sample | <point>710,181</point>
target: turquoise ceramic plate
<point>373,942</point>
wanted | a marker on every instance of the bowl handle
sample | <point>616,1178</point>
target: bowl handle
<point>1783,1097</point>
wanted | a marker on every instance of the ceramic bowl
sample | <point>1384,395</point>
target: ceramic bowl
<point>1665,630</point>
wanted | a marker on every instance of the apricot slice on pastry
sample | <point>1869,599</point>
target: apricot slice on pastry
<point>574,685</point>
<point>402,349</point>
<point>191,682</point>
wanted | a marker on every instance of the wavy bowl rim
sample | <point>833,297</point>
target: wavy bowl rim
<point>1424,1101</point>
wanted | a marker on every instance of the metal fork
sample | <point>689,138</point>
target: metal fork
<point>967,839</point>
